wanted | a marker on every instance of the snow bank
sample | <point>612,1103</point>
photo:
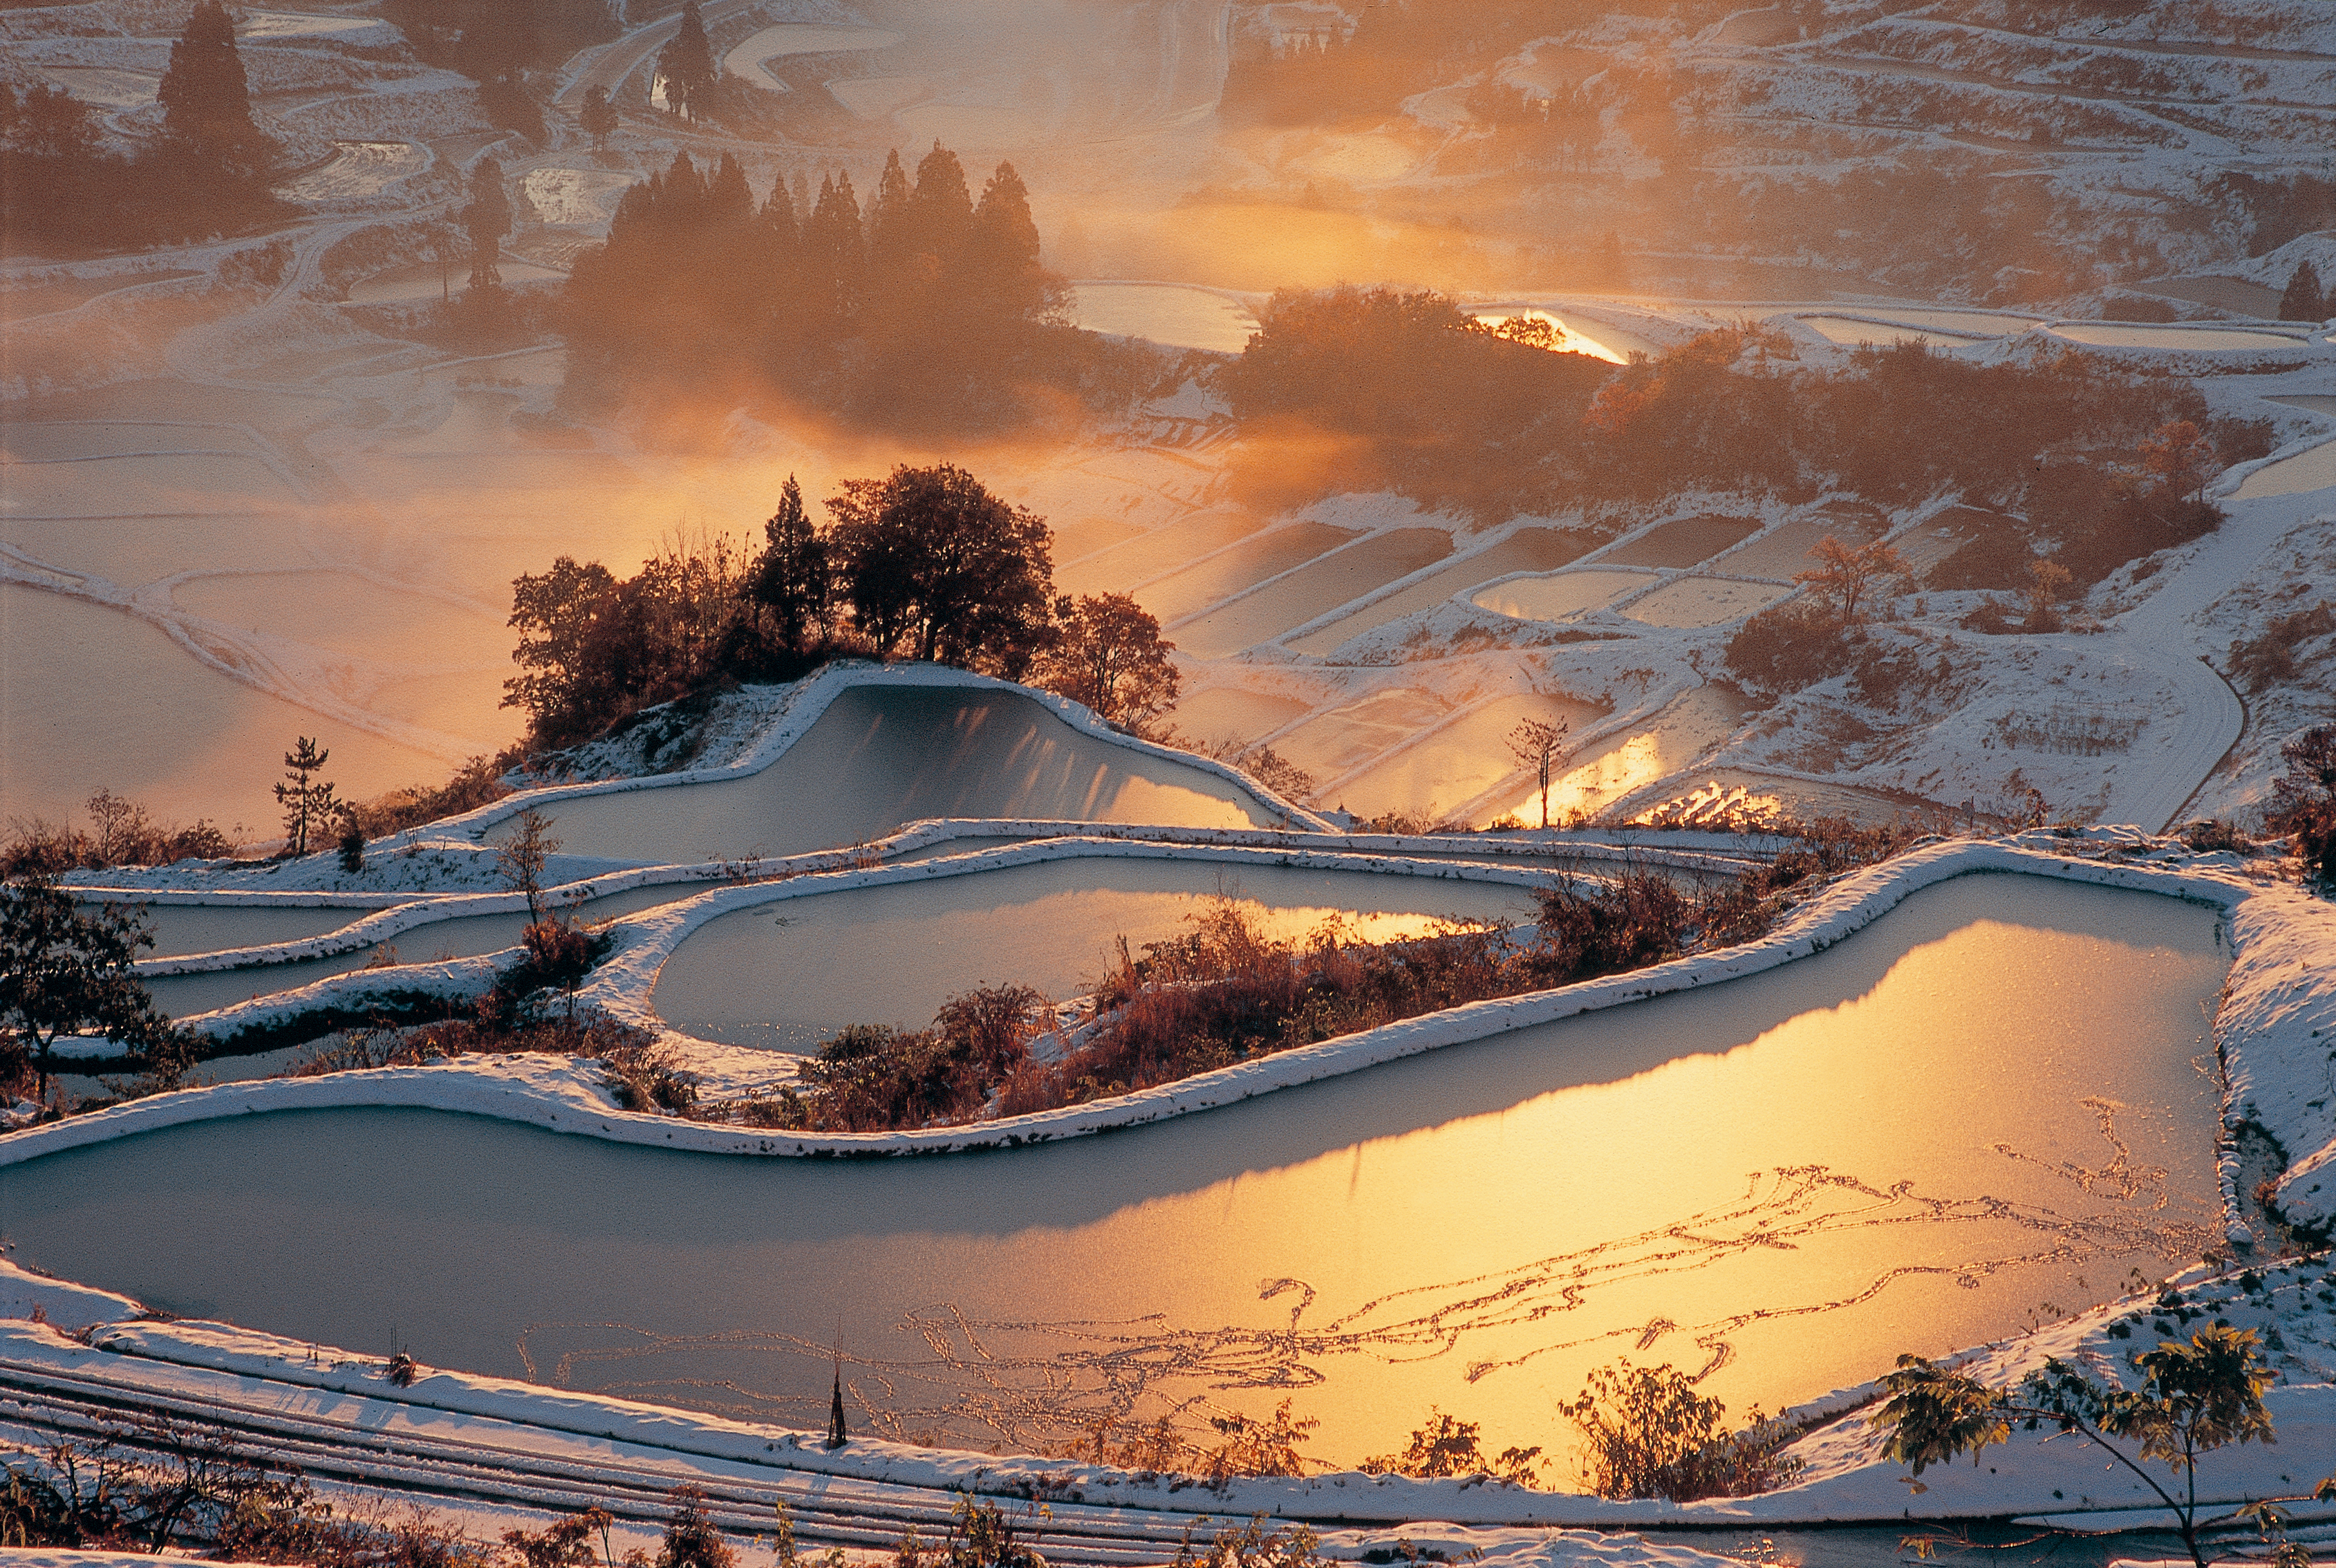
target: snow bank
<point>2278,1032</point>
<point>23,1294</point>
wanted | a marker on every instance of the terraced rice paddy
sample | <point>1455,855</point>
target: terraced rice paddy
<point>1703,601</point>
<point>1439,774</point>
<point>880,757</point>
<point>1243,566</point>
<point>1683,542</point>
<point>1314,591</point>
<point>788,975</point>
<point>1526,550</point>
<point>1561,595</point>
<point>1481,1224</point>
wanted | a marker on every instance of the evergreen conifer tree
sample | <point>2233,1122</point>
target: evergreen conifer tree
<point>206,99</point>
<point>1005,276</point>
<point>890,220</point>
<point>486,219</point>
<point>793,580</point>
<point>943,207</point>
<point>2302,301</point>
<point>688,66</point>
<point>728,199</point>
<point>597,118</point>
<point>309,806</point>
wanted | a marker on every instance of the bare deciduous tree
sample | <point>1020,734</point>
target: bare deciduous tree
<point>1538,743</point>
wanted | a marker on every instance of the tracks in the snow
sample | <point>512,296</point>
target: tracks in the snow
<point>367,1445</point>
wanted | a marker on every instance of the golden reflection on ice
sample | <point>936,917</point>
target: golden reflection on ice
<point>1916,1168</point>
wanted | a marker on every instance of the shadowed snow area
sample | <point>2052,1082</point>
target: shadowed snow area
<point>1904,1143</point>
<point>465,936</point>
<point>788,975</point>
<point>880,757</point>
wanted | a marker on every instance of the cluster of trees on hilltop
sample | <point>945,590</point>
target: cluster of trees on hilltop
<point>923,564</point>
<point>63,190</point>
<point>1354,389</point>
<point>928,310</point>
<point>496,42</point>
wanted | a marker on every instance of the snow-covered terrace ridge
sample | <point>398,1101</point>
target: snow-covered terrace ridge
<point>401,912</point>
<point>2265,1032</point>
<point>623,983</point>
<point>800,708</point>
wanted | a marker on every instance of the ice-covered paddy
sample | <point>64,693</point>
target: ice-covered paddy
<point>426,280</point>
<point>183,928</point>
<point>98,697</point>
<point>1244,565</point>
<point>2313,469</point>
<point>1526,550</point>
<point>881,756</point>
<point>1703,601</point>
<point>1232,712</point>
<point>465,936</point>
<point>2131,335</point>
<point>1313,590</point>
<point>1683,542</point>
<point>298,25</point>
<point>103,87</point>
<point>1986,1101</point>
<point>154,482</point>
<point>1161,549</point>
<point>1560,595</point>
<point>874,97</point>
<point>1596,776</point>
<point>1174,315</point>
<point>1440,774</point>
<point>787,975</point>
<point>798,38</point>
<point>1852,331</point>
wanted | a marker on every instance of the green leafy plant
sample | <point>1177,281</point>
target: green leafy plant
<point>2194,1397</point>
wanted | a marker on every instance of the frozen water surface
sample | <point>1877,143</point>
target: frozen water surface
<point>2127,334</point>
<point>791,973</point>
<point>1560,595</point>
<point>182,928</point>
<point>1312,592</point>
<point>1526,550</point>
<point>1176,315</point>
<point>1703,601</point>
<point>798,38</point>
<point>1985,1101</point>
<point>879,757</point>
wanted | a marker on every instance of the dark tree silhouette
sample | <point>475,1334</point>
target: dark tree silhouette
<point>936,565</point>
<point>64,972</point>
<point>487,218</point>
<point>2303,798</point>
<point>309,806</point>
<point>686,65</point>
<point>597,118</point>
<point>1108,654</point>
<point>793,579</point>
<point>207,101</point>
